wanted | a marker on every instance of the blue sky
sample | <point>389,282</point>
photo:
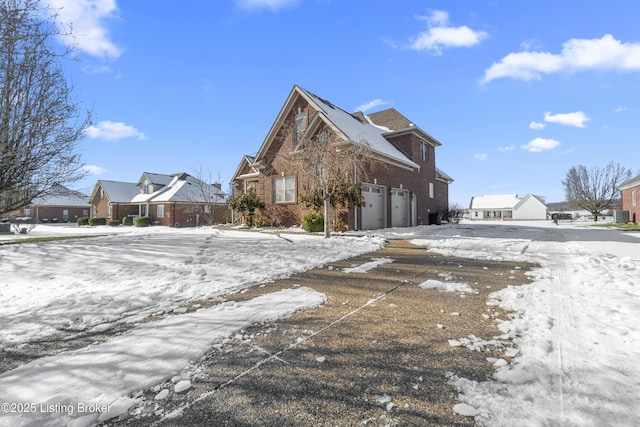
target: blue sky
<point>518,92</point>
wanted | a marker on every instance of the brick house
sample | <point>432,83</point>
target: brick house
<point>631,198</point>
<point>178,200</point>
<point>402,186</point>
<point>61,204</point>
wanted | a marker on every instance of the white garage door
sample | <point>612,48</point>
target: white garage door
<point>373,209</point>
<point>399,208</point>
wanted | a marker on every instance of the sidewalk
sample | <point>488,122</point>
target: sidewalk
<point>377,353</point>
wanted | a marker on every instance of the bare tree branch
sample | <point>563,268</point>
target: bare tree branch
<point>40,124</point>
<point>594,189</point>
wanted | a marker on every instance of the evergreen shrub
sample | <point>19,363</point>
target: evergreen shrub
<point>313,222</point>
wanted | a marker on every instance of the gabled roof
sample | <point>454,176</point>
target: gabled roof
<point>246,161</point>
<point>117,191</point>
<point>525,199</point>
<point>495,201</point>
<point>155,178</point>
<point>633,182</point>
<point>183,188</point>
<point>358,131</point>
<point>348,127</point>
<point>62,196</point>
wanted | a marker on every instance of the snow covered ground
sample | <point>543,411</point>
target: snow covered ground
<point>577,325</point>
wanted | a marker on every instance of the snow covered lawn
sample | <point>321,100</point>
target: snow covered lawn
<point>125,276</point>
<point>134,272</point>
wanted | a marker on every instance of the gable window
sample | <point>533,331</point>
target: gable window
<point>146,187</point>
<point>160,212</point>
<point>431,190</point>
<point>101,193</point>
<point>285,189</point>
<point>424,151</point>
<point>300,125</point>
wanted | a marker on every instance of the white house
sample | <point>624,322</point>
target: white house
<point>508,206</point>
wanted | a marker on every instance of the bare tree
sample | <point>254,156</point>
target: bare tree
<point>454,213</point>
<point>333,171</point>
<point>594,189</point>
<point>206,195</point>
<point>40,124</point>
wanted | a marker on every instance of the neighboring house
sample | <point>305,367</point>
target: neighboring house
<point>631,198</point>
<point>508,206</point>
<point>402,187</point>
<point>177,200</point>
<point>61,204</point>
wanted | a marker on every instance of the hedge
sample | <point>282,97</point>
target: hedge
<point>97,221</point>
<point>313,222</point>
<point>142,221</point>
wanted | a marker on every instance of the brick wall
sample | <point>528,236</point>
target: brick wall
<point>627,203</point>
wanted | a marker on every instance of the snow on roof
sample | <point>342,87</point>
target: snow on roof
<point>118,191</point>
<point>495,201</point>
<point>62,196</point>
<point>360,132</point>
<point>184,188</point>
<point>630,183</point>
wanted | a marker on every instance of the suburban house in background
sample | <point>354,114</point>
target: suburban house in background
<point>402,186</point>
<point>177,200</point>
<point>61,204</point>
<point>508,206</point>
<point>631,198</point>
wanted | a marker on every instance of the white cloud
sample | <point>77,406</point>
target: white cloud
<point>507,148</point>
<point>537,125</point>
<point>87,18</point>
<point>440,35</point>
<point>539,145</point>
<point>371,104</point>
<point>261,4</point>
<point>601,54</point>
<point>93,169</point>
<point>480,156</point>
<point>577,119</point>
<point>620,109</point>
<point>113,131</point>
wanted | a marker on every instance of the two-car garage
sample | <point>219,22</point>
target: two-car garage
<point>374,211</point>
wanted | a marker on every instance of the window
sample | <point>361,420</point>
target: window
<point>65,214</point>
<point>431,191</point>
<point>424,151</point>
<point>633,197</point>
<point>285,189</point>
<point>108,211</point>
<point>146,187</point>
<point>300,126</point>
<point>26,212</point>
<point>160,212</point>
<point>101,193</point>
